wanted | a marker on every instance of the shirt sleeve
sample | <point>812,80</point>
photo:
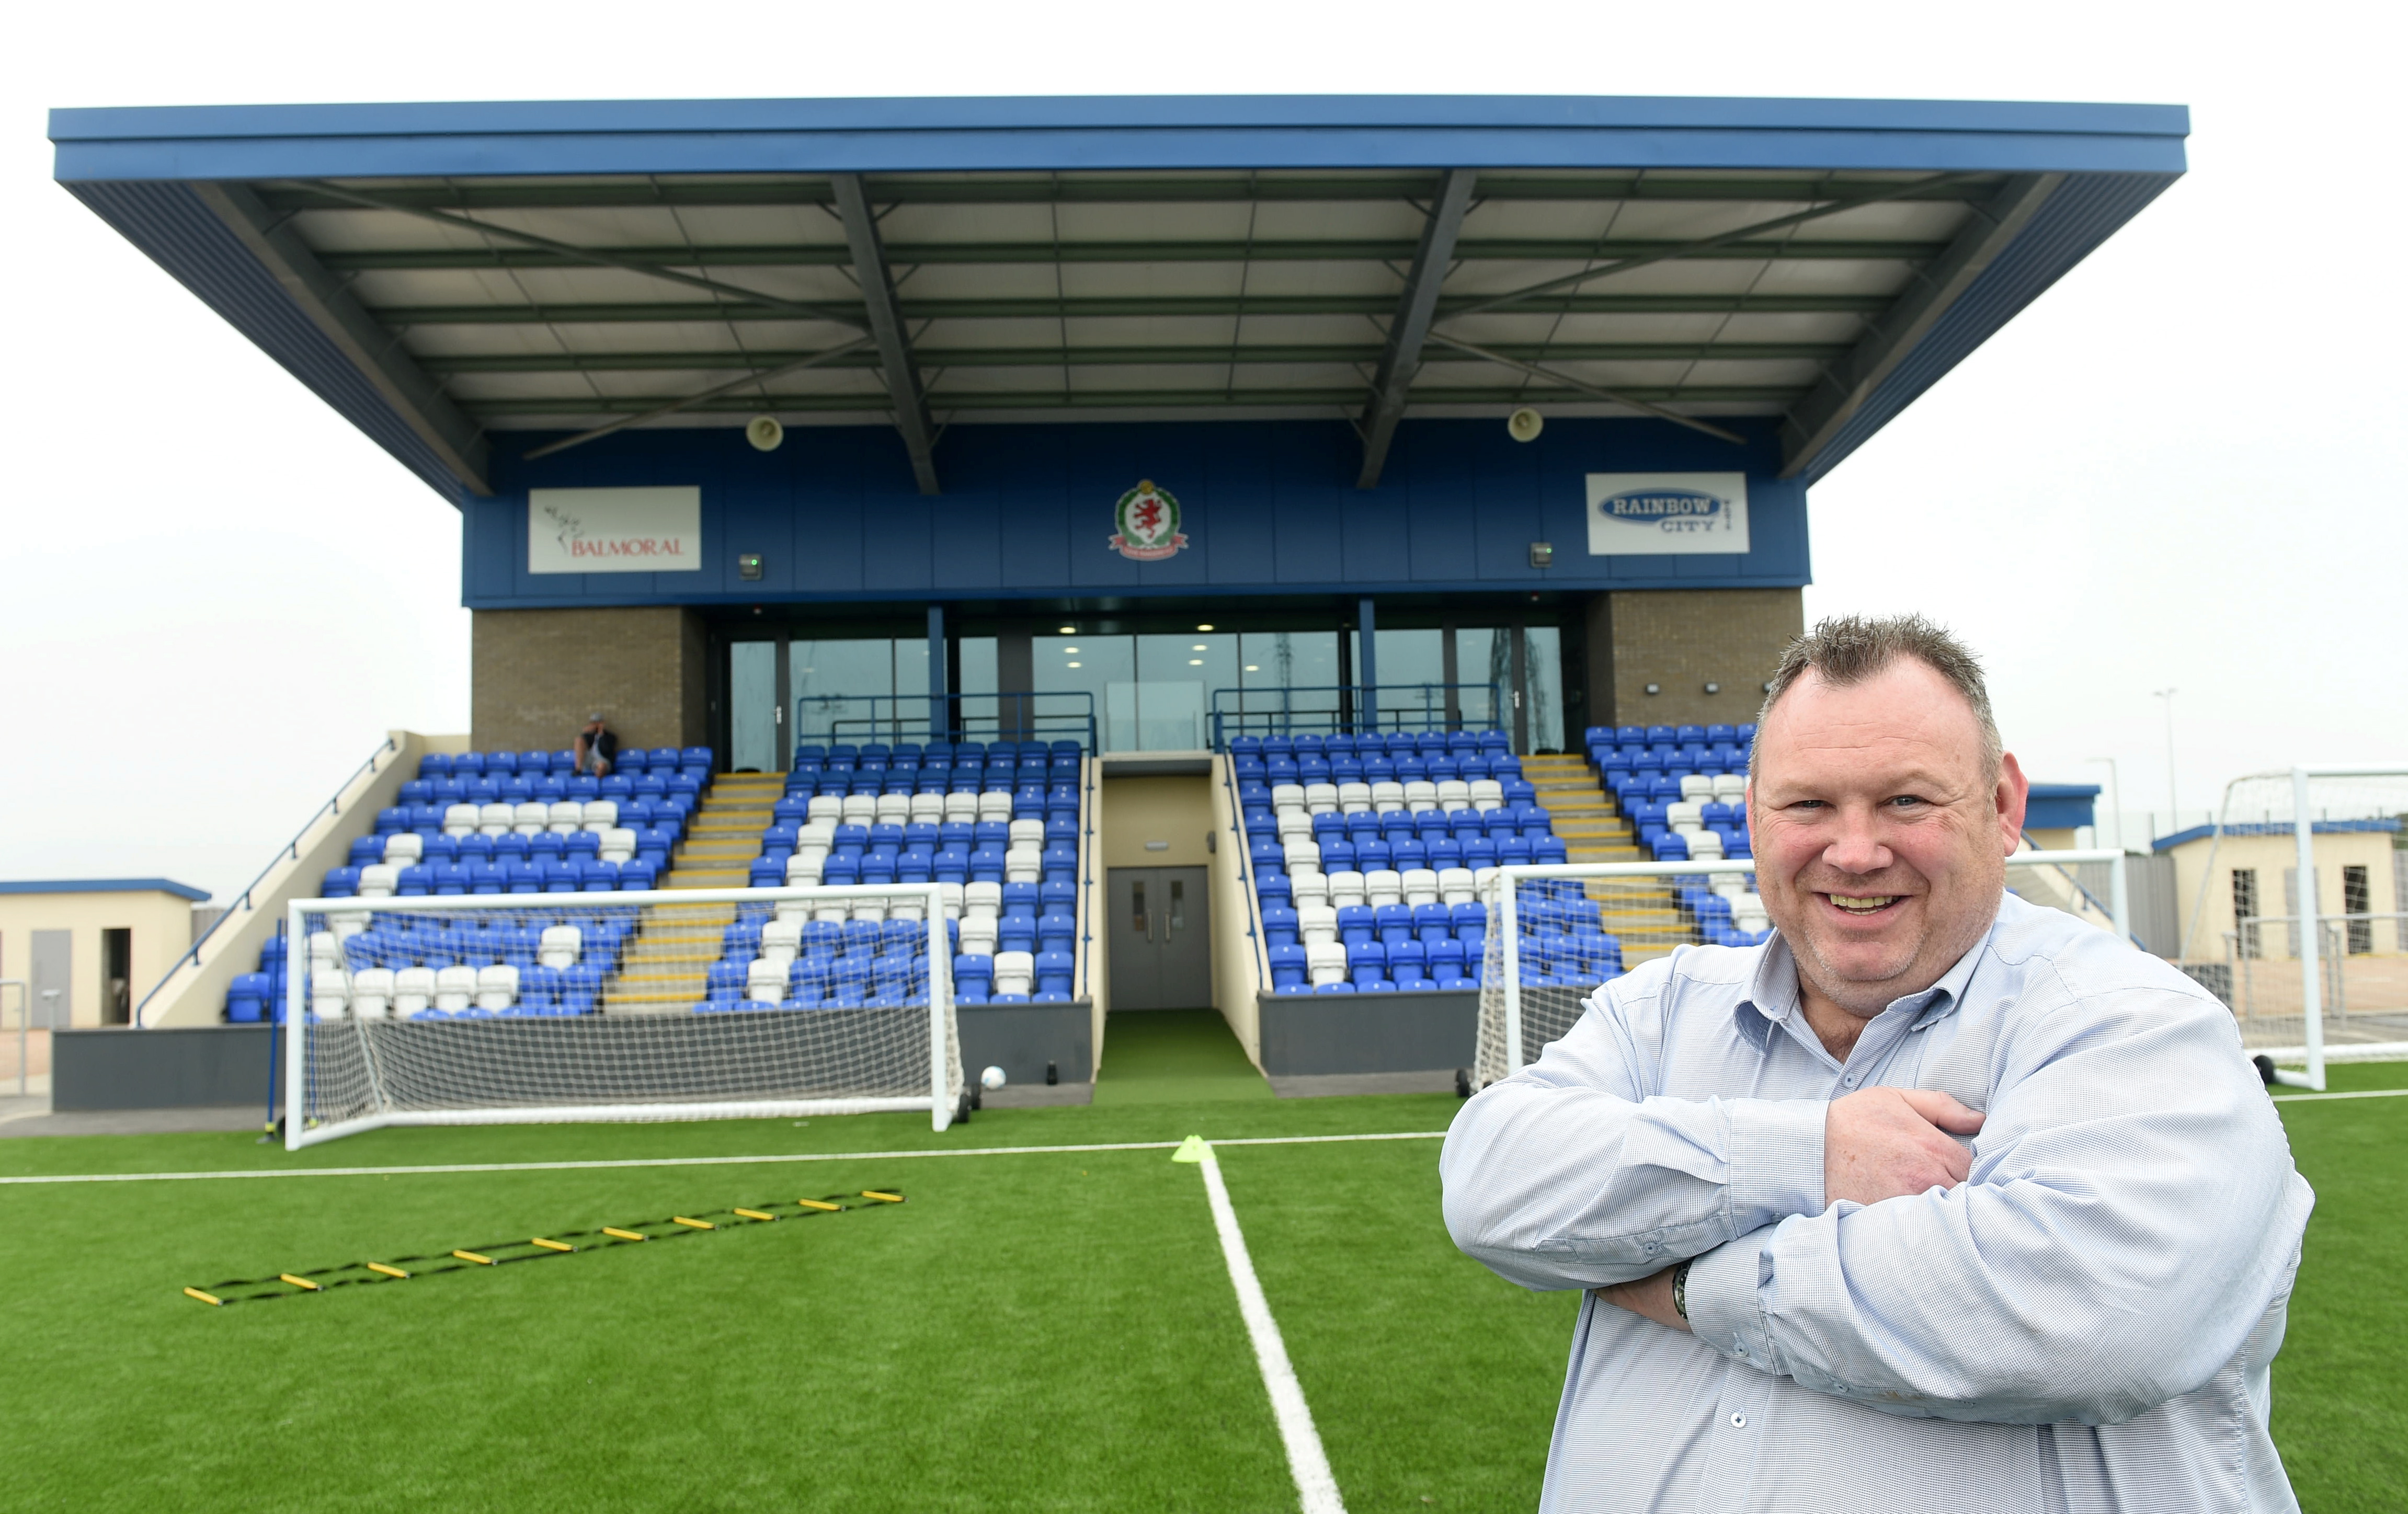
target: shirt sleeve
<point>2131,1214</point>
<point>1572,1174</point>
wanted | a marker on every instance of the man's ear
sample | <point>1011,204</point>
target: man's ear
<point>2014,794</point>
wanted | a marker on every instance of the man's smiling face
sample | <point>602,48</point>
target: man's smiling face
<point>1880,841</point>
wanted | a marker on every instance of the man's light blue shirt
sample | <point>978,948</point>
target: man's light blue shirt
<point>2084,1323</point>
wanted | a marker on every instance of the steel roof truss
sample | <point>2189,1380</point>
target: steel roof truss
<point>1583,386</point>
<point>1845,385</point>
<point>886,328</point>
<point>1402,355</point>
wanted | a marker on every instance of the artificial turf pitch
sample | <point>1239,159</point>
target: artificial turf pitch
<point>1042,1331</point>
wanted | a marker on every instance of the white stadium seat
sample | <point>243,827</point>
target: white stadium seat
<point>995,804</point>
<point>1730,788</point>
<point>952,897</point>
<point>372,994</point>
<point>894,809</point>
<point>1705,846</point>
<point>565,817</point>
<point>1345,889</point>
<point>1420,886</point>
<point>958,806</point>
<point>1014,971</point>
<point>601,814</point>
<point>978,935</point>
<point>870,907</point>
<point>403,847</point>
<point>1487,794</point>
<point>1326,961</point>
<point>781,941</point>
<point>413,990</point>
<point>1421,794</point>
<point>559,946</point>
<point>1287,796</point>
<point>1453,794</point>
<point>825,807</point>
<point>330,992</point>
<point>764,981</point>
<point>860,809</point>
<point>1305,891</point>
<point>928,808</point>
<point>1454,885</point>
<point>1024,864</point>
<point>455,988</point>
<point>378,880</point>
<point>529,819</point>
<point>1354,798</point>
<point>1697,786</point>
<point>982,901</point>
<point>1384,886</point>
<point>1387,796</point>
<point>497,819</point>
<point>498,986</point>
<point>803,868</point>
<point>1294,824</point>
<point>460,819</point>
<point>1316,923</point>
<point>1302,857</point>
<point>618,844</point>
<point>1028,833</point>
<point>1321,799</point>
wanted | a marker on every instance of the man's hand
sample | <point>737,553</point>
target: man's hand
<point>1651,1296</point>
<point>1880,1143</point>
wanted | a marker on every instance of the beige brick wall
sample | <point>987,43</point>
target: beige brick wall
<point>1682,641</point>
<point>536,674</point>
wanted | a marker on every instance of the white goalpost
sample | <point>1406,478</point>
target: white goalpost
<point>1557,932</point>
<point>667,1004</point>
<point>2331,832</point>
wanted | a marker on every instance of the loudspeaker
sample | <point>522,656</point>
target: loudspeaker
<point>764,432</point>
<point>1525,424</point>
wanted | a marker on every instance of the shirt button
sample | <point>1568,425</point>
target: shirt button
<point>1738,1422</point>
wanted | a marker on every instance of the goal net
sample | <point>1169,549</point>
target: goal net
<point>2307,968</point>
<point>1556,932</point>
<point>692,1005</point>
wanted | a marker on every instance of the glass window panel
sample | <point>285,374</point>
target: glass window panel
<point>1542,670</point>
<point>1483,655</point>
<point>1170,698</point>
<point>1086,665</point>
<point>833,683</point>
<point>753,706</point>
<point>1406,659</point>
<point>1287,678</point>
<point>907,717</point>
<point>978,667</point>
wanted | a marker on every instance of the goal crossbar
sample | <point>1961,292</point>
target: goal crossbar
<point>945,1087</point>
<point>1503,904</point>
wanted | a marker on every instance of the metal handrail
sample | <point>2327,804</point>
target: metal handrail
<point>1366,697</point>
<point>1030,718</point>
<point>2079,887</point>
<point>290,849</point>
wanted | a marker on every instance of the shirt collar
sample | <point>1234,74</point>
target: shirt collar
<point>1771,996</point>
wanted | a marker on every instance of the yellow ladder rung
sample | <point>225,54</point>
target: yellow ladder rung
<point>297,1282</point>
<point>820,1204</point>
<point>698,1225</point>
<point>471,1256</point>
<point>890,1198</point>
<point>551,1245</point>
<point>205,1298</point>
<point>390,1271</point>
<point>755,1214</point>
<point>623,1235</point>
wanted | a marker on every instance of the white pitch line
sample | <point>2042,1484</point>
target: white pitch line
<point>1316,1488</point>
<point>2355,1094</point>
<point>694,1162</point>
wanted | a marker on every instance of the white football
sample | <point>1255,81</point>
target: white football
<point>992,1078</point>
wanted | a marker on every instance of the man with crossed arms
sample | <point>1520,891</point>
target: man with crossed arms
<point>1938,1200</point>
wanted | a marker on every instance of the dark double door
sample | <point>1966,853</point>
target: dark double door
<point>1158,938</point>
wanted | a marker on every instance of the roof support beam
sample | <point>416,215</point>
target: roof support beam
<point>373,348</point>
<point>1845,386</point>
<point>1554,376</point>
<point>749,380</point>
<point>895,362</point>
<point>1411,325</point>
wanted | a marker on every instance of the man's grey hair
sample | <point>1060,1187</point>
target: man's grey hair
<point>1847,649</point>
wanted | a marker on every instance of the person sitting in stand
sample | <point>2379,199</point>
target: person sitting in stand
<point>597,749</point>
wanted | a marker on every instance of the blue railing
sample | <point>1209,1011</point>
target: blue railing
<point>290,849</point>
<point>1024,716</point>
<point>1352,708</point>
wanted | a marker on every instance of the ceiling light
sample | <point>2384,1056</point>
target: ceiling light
<point>1254,668</point>
<point>1198,646</point>
<point>1195,662</point>
<point>1203,628</point>
<point>1072,652</point>
<point>1069,630</point>
<point>1070,664</point>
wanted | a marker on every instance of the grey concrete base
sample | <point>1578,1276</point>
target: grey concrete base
<point>249,1117</point>
<point>1037,1095</point>
<point>1330,1085</point>
<point>1320,1034</point>
<point>183,1067</point>
<point>1020,1039</point>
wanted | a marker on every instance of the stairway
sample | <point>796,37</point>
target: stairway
<point>1643,914</point>
<point>666,966</point>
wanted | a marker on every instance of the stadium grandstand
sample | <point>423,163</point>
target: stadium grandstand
<point>1199,539</point>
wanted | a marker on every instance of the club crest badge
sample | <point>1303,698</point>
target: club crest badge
<point>1147,517</point>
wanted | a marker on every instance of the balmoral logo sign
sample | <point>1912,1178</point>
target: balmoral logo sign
<point>1147,517</point>
<point>614,530</point>
<point>1656,514</point>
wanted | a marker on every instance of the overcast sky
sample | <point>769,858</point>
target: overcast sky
<point>2177,469</point>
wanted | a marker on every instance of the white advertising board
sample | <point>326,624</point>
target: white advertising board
<point>654,530</point>
<point>1656,514</point>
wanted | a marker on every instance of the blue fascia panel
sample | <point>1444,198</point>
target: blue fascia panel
<point>2340,827</point>
<point>1269,507</point>
<point>2059,807</point>
<point>1129,133</point>
<point>108,885</point>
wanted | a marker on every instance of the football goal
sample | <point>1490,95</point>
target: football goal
<point>1557,932</point>
<point>685,1004</point>
<point>2295,912</point>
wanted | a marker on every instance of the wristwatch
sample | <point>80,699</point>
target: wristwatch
<point>1681,1289</point>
